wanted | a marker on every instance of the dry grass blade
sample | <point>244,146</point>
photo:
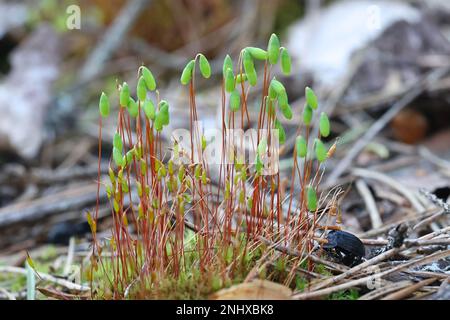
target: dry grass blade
<point>406,292</point>
<point>392,183</point>
<point>46,277</point>
<point>356,269</point>
<point>365,280</point>
<point>375,217</point>
<point>375,294</point>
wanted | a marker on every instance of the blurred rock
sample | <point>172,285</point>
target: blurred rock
<point>325,42</point>
<point>409,126</point>
<point>26,92</point>
<point>11,15</point>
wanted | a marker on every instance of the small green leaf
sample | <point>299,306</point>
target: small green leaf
<point>285,61</point>
<point>307,114</point>
<point>301,146</point>
<point>31,282</point>
<point>149,78</point>
<point>321,151</point>
<point>311,98</point>
<point>186,75</point>
<point>257,53</point>
<point>324,125</point>
<point>30,261</point>
<point>205,68</point>
<point>149,109</point>
<point>141,89</point>
<point>311,199</point>
<point>103,105</point>
<point>273,49</point>
<point>124,95</point>
<point>91,222</point>
<point>235,101</point>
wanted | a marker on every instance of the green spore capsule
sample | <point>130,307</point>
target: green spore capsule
<point>158,122</point>
<point>307,114</point>
<point>281,132</point>
<point>241,78</point>
<point>186,75</point>
<point>198,171</point>
<point>311,199</point>
<point>103,105</point>
<point>247,61</point>
<point>235,101</point>
<point>301,146</point>
<point>311,98</point>
<point>204,178</point>
<point>118,158</point>
<point>117,141</point>
<point>205,68</point>
<point>227,64</point>
<point>129,156</point>
<point>229,81</point>
<point>133,107</point>
<point>262,147</point>
<point>181,173</point>
<point>285,61</point>
<point>321,151</point>
<point>252,78</point>
<point>273,49</point>
<point>259,165</point>
<point>124,95</point>
<point>286,111</point>
<point>141,89</point>
<point>149,78</point>
<point>204,143</point>
<point>257,53</point>
<point>324,125</point>
<point>164,112</point>
<point>149,109</point>
<point>282,99</point>
<point>276,88</point>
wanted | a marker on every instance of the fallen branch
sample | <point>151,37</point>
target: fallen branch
<point>365,280</point>
<point>46,277</point>
<point>410,95</point>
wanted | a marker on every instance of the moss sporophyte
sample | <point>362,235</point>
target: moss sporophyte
<point>180,222</point>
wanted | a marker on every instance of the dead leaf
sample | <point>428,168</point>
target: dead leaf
<point>255,290</point>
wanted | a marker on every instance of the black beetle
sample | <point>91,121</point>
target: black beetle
<point>346,247</point>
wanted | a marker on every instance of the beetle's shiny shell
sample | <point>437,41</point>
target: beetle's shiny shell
<point>346,242</point>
